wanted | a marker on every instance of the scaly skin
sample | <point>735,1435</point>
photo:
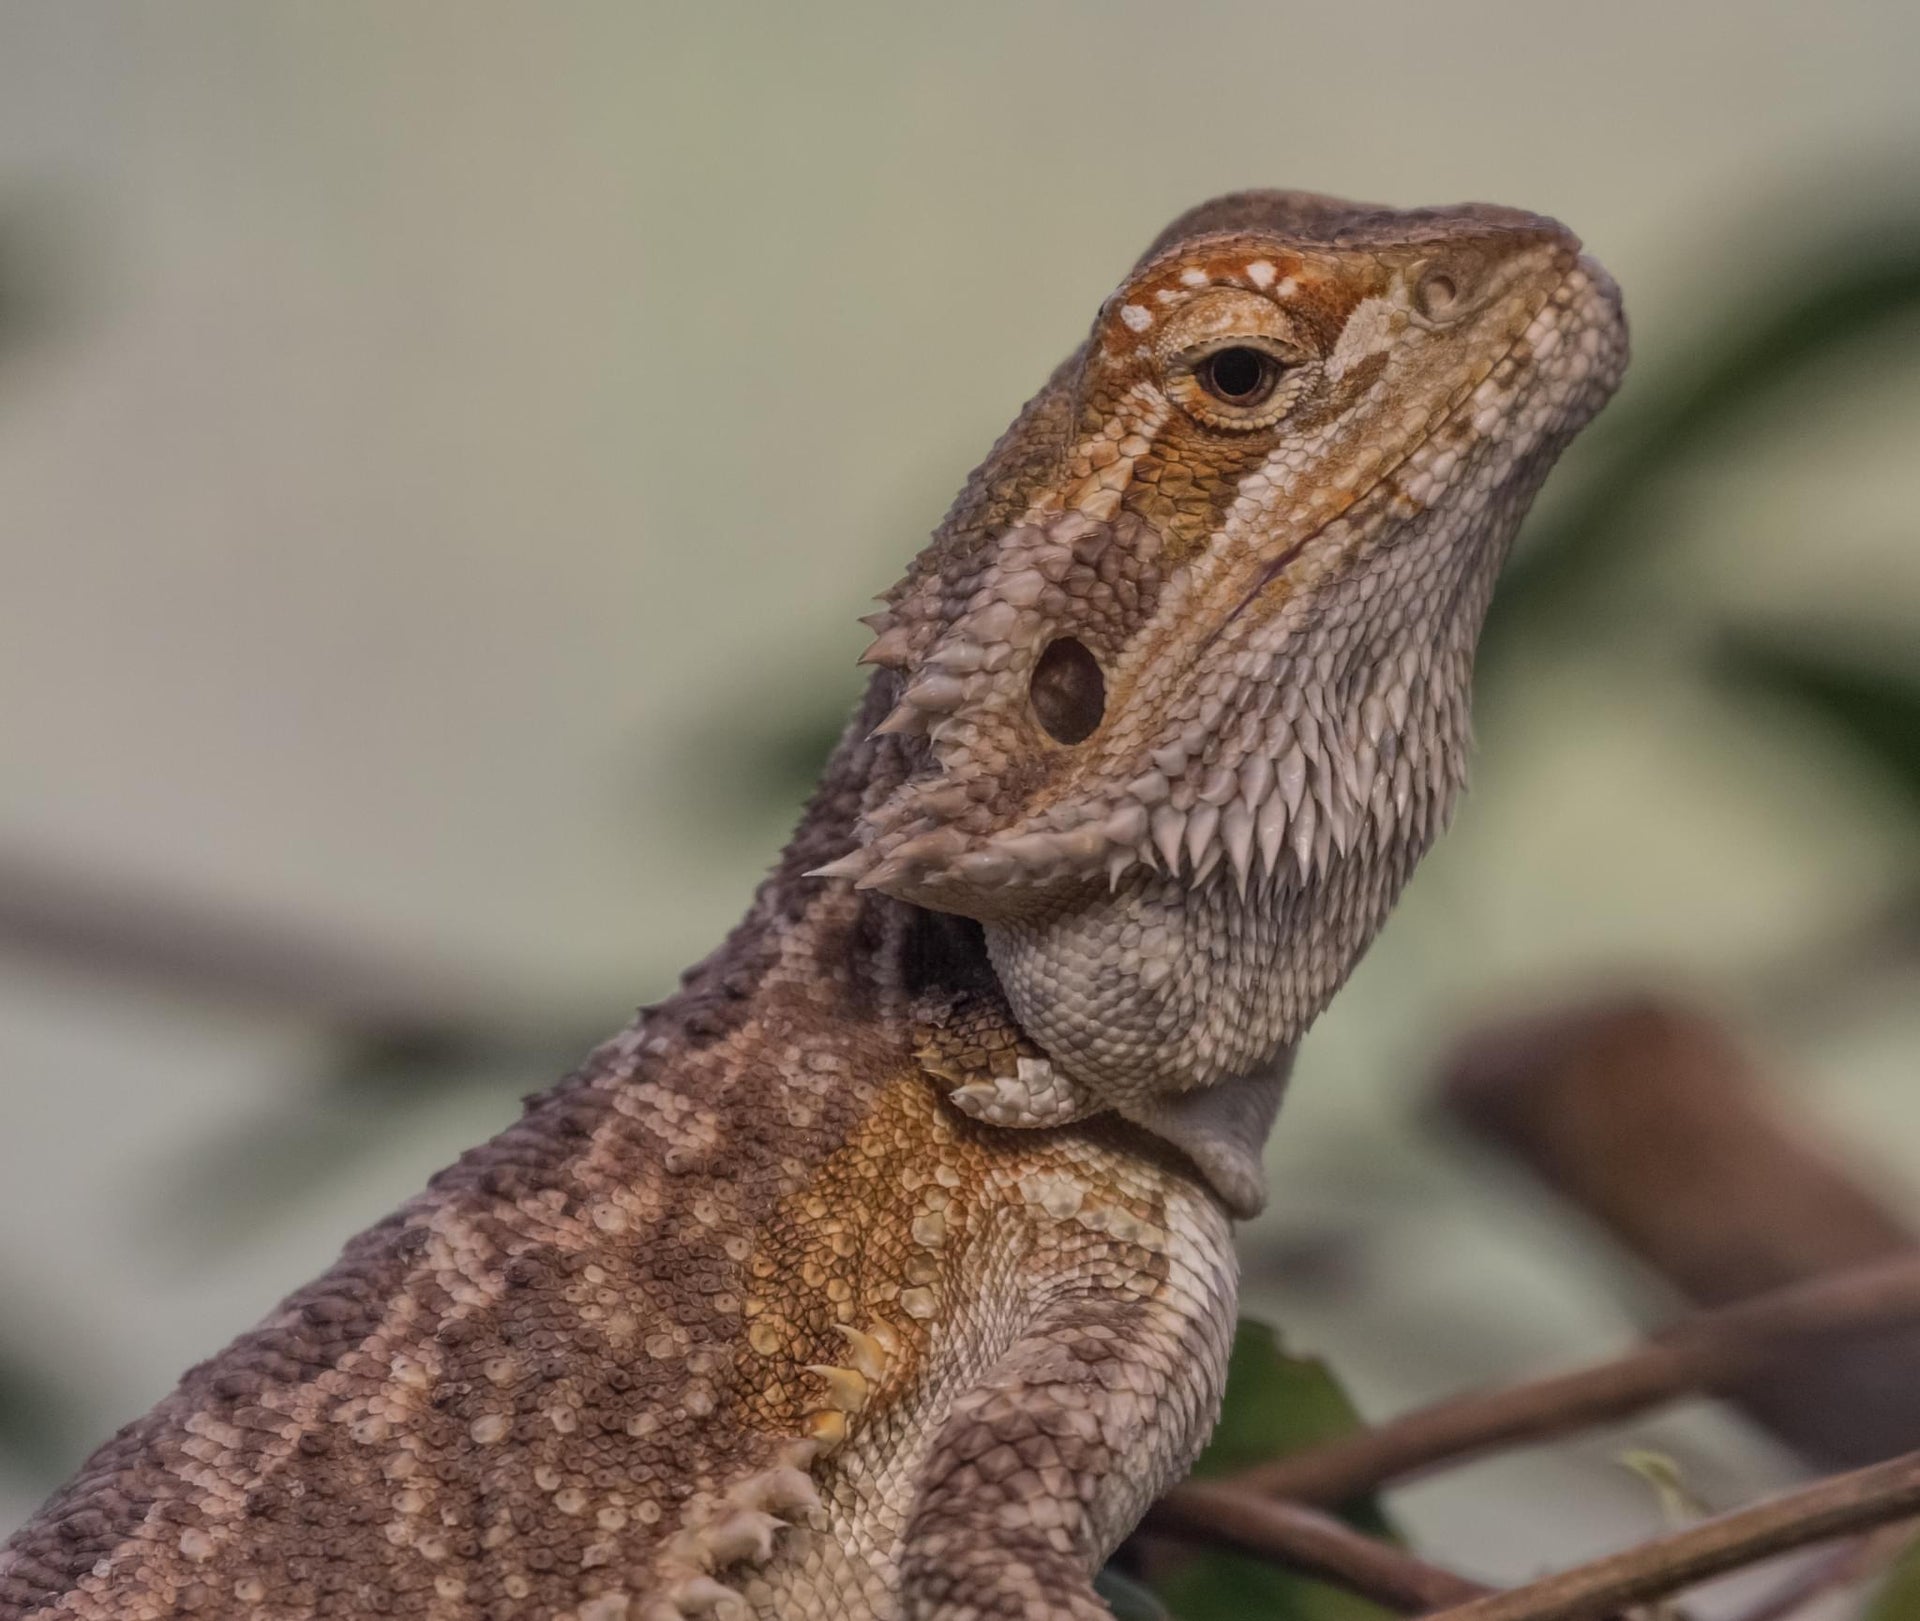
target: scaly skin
<point>885,1270</point>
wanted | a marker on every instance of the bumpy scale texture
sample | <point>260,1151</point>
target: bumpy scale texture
<point>886,1269</point>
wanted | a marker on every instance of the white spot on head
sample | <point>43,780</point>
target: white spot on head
<point>1369,329</point>
<point>1193,278</point>
<point>1261,273</point>
<point>1137,317</point>
<point>1287,288</point>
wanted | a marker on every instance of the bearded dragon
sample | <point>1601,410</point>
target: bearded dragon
<point>885,1270</point>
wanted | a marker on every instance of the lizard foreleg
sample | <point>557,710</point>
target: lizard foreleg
<point>1043,1466</point>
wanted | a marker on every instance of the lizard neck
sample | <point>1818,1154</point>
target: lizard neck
<point>872,953</point>
<point>905,962</point>
<point>1223,1130</point>
<point>1192,1040</point>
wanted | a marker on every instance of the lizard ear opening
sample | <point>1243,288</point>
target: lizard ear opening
<point>1068,692</point>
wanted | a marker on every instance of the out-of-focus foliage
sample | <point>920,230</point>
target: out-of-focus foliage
<point>1688,410</point>
<point>1679,1504</point>
<point>36,277</point>
<point>1870,705</point>
<point>32,1433</point>
<point>233,1179</point>
<point>1278,1403</point>
<point>1275,1404</point>
<point>1128,1599</point>
<point>1899,1596</point>
<point>40,1411</point>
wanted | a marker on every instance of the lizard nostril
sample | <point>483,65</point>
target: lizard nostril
<point>1068,692</point>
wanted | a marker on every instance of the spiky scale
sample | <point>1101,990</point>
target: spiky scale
<point>1201,826</point>
<point>846,1387</point>
<point>1149,788</point>
<point>1236,828</point>
<point>890,649</point>
<point>1256,777</point>
<point>850,865</point>
<point>1169,826</point>
<point>1270,826</point>
<point>867,1354</point>
<point>903,720</point>
<point>936,693</point>
<point>1290,775</point>
<point>986,869</point>
<point>1305,825</point>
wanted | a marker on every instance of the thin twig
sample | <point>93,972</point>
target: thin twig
<point>172,942</point>
<point>1837,1506</point>
<point>1646,1113</point>
<point>1701,1354</point>
<point>1846,1566</point>
<point>1307,1541</point>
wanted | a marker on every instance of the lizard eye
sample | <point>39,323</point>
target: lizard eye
<point>1239,384</point>
<point>1239,375</point>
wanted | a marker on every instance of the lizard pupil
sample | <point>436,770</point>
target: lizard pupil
<point>1238,376</point>
<point>1068,692</point>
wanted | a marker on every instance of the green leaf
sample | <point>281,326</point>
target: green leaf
<point>258,1166</point>
<point>40,1428</point>
<point>1872,705</point>
<point>747,762</point>
<point>1898,1598</point>
<point>1275,1404</point>
<point>1232,1587</point>
<point>1129,1600</point>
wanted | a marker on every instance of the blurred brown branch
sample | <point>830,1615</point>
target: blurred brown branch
<point>1310,1542</point>
<point>1878,1495</point>
<point>1849,1565</point>
<point>387,1012</point>
<point>1647,1115</point>
<point>1302,1539</point>
<point>115,927</point>
<point>1705,1353</point>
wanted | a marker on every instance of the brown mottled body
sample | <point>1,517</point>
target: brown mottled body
<point>603,1358</point>
<point>885,1271</point>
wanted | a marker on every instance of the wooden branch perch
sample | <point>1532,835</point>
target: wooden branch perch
<point>1849,1565</point>
<point>1708,1352</point>
<point>1840,1505</point>
<point>1307,1541</point>
<point>1649,1116</point>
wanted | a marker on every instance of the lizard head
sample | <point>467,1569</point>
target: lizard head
<point>1181,682</point>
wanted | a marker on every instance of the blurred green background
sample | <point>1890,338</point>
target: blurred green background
<point>444,448</point>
